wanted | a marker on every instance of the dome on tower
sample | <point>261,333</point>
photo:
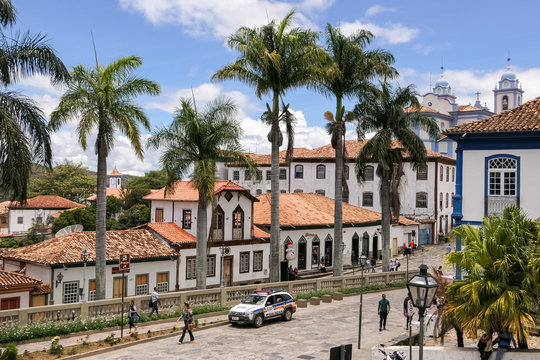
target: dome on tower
<point>441,83</point>
<point>508,75</point>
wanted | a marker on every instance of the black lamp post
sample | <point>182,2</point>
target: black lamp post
<point>422,288</point>
<point>362,259</point>
<point>84,257</point>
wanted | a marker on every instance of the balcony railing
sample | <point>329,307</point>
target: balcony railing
<point>497,204</point>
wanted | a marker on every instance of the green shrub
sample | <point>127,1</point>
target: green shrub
<point>56,348</point>
<point>111,340</point>
<point>10,353</point>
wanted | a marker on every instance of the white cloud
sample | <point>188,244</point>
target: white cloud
<point>377,9</point>
<point>220,18</point>
<point>388,33</point>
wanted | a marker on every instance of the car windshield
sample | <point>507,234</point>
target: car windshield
<point>254,299</point>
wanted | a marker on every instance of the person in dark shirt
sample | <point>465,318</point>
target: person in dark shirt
<point>503,339</point>
<point>383,310</point>
<point>373,262</point>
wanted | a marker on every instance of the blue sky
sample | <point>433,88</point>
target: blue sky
<point>182,43</point>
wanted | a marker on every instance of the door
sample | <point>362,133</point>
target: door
<point>375,246</point>
<point>394,246</point>
<point>328,252</point>
<point>10,303</point>
<point>355,248</point>
<point>159,215</point>
<point>117,287</point>
<point>228,270</point>
<point>39,300</point>
<point>365,244</point>
<point>302,248</point>
<point>315,254</point>
<point>269,310</point>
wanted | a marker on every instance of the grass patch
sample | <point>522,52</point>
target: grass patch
<point>374,287</point>
<point>314,294</point>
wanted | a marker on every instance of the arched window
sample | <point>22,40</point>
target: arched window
<point>238,223</point>
<point>321,172</point>
<point>299,172</point>
<point>315,252</point>
<point>219,224</point>
<point>453,174</point>
<point>502,176</point>
<point>441,200</point>
<point>368,173</point>
<point>505,102</point>
<point>452,200</point>
<point>447,174</point>
<point>288,242</point>
<point>442,125</point>
<point>441,173</point>
<point>447,199</point>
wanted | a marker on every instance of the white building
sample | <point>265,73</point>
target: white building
<point>307,225</point>
<point>19,291</point>
<point>426,196</point>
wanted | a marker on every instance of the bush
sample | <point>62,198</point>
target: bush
<point>111,340</point>
<point>10,353</point>
<point>56,348</point>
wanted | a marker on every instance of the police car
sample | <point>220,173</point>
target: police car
<point>261,306</point>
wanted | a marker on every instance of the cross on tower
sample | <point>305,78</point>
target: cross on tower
<point>477,95</point>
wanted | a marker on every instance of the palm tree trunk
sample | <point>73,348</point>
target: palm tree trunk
<point>274,209</point>
<point>202,241</point>
<point>101,220</point>
<point>338,199</point>
<point>386,217</point>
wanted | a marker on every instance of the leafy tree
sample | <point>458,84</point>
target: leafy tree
<point>141,186</point>
<point>382,113</point>
<point>85,217</point>
<point>102,98</point>
<point>24,138</point>
<point>114,206</point>
<point>274,59</point>
<point>136,215</point>
<point>349,72</point>
<point>68,180</point>
<point>198,139</point>
<point>502,261</point>
<point>10,243</point>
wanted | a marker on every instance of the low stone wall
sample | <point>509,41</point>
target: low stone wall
<point>455,353</point>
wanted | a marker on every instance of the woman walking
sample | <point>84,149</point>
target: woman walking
<point>133,316</point>
<point>187,315</point>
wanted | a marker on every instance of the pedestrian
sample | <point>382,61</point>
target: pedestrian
<point>187,315</point>
<point>412,247</point>
<point>441,236</point>
<point>398,264</point>
<point>133,316</point>
<point>373,263</point>
<point>368,265</point>
<point>439,270</point>
<point>392,265</point>
<point>503,339</point>
<point>383,310</point>
<point>485,345</point>
<point>290,271</point>
<point>295,273</point>
<point>408,311</point>
<point>404,248</point>
<point>448,248</point>
<point>154,301</point>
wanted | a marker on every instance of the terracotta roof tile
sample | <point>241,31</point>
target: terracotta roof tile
<point>258,233</point>
<point>186,191</point>
<point>525,117</point>
<point>139,243</point>
<point>117,193</point>
<point>172,232</point>
<point>421,108</point>
<point>47,202</point>
<point>467,108</point>
<point>115,172</point>
<point>43,289</point>
<point>11,279</point>
<point>4,207</point>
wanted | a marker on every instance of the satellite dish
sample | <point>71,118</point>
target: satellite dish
<point>69,229</point>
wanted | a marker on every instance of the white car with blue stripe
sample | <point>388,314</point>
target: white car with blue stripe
<point>261,306</point>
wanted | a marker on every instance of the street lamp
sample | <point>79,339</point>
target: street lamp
<point>84,257</point>
<point>343,246</point>
<point>363,259</point>
<point>225,250</point>
<point>422,288</point>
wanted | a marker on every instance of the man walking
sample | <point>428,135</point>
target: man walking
<point>408,311</point>
<point>383,310</point>
<point>155,298</point>
<point>373,263</point>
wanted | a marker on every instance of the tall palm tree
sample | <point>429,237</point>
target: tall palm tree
<point>383,113</point>
<point>273,59</point>
<point>24,139</point>
<point>102,100</point>
<point>349,72</point>
<point>194,142</point>
<point>502,262</point>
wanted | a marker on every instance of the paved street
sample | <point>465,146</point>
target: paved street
<point>310,335</point>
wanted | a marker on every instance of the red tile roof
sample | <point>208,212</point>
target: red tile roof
<point>4,207</point>
<point>11,279</point>
<point>115,172</point>
<point>307,209</point>
<point>186,191</point>
<point>258,233</point>
<point>523,118</point>
<point>467,108</point>
<point>117,193</point>
<point>172,232</point>
<point>139,243</point>
<point>43,289</point>
<point>47,202</point>
<point>421,108</point>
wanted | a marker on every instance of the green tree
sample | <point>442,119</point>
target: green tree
<point>85,217</point>
<point>103,100</point>
<point>141,186</point>
<point>136,215</point>
<point>383,113</point>
<point>24,139</point>
<point>502,261</point>
<point>198,139</point>
<point>274,59</point>
<point>114,206</point>
<point>68,180</point>
<point>349,72</point>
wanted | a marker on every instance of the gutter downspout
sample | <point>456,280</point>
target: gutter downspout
<point>436,201</point>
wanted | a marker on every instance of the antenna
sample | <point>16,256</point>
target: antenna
<point>508,60</point>
<point>442,68</point>
<point>194,103</point>
<point>95,51</point>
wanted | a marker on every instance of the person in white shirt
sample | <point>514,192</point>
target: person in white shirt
<point>155,299</point>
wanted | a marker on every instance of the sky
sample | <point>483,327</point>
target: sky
<point>183,42</point>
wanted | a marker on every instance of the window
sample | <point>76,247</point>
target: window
<point>39,220</point>
<point>321,172</point>
<point>71,292</point>
<point>19,220</point>
<point>219,216</point>
<point>244,262</point>
<point>505,102</point>
<point>447,201</point>
<point>190,267</point>
<point>502,176</point>
<point>246,175</point>
<point>441,200</point>
<point>298,191</point>
<point>441,175</point>
<point>141,284</point>
<point>442,125</point>
<point>452,200</point>
<point>236,175</point>
<point>453,174</point>
<point>238,223</point>
<point>159,215</point>
<point>258,175</point>
<point>367,199</point>
<point>162,282</point>
<point>320,192</point>
<point>282,191</point>
<point>368,173</point>
<point>346,172</point>
<point>269,175</point>
<point>257,261</point>
<point>299,172</point>
<point>258,192</point>
<point>186,219</point>
<point>447,174</point>
<point>421,200</point>
<point>92,290</point>
<point>421,173</point>
<point>211,266</point>
<point>282,174</point>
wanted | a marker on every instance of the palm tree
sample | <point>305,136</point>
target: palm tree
<point>502,287</point>
<point>348,73</point>
<point>24,139</point>
<point>195,141</point>
<point>102,98</point>
<point>274,59</point>
<point>383,113</point>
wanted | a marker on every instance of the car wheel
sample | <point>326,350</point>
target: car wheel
<point>287,315</point>
<point>258,321</point>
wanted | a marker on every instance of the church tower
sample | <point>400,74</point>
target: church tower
<point>508,93</point>
<point>115,179</point>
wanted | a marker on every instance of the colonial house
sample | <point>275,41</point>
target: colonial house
<point>425,194</point>
<point>58,263</point>
<point>241,248</point>
<point>307,228</point>
<point>36,211</point>
<point>20,291</point>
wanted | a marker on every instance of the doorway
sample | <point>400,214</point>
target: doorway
<point>375,247</point>
<point>117,287</point>
<point>355,248</point>
<point>328,251</point>
<point>315,253</point>
<point>365,244</point>
<point>228,270</point>
<point>394,247</point>
<point>302,248</point>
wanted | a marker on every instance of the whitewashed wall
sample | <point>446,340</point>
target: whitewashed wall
<point>29,218</point>
<point>24,298</point>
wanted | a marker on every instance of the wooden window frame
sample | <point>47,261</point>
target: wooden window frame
<point>147,284</point>
<point>418,194</point>
<point>422,174</point>
<point>371,173</point>
<point>64,292</point>
<point>186,224</point>
<point>242,255</point>
<point>317,174</point>
<point>282,174</point>
<point>256,267</point>
<point>188,260</point>
<point>299,174</point>
<point>363,198</point>
<point>160,289</point>
<point>236,175</point>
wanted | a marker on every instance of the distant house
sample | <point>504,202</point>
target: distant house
<point>58,263</point>
<point>36,211</point>
<point>307,226</point>
<point>4,217</point>
<point>20,291</point>
<point>116,192</point>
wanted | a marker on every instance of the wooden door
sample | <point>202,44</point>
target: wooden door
<point>117,287</point>
<point>394,247</point>
<point>10,303</point>
<point>39,300</point>
<point>228,270</point>
<point>302,254</point>
<point>159,215</point>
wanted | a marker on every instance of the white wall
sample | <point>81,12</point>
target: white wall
<point>24,298</point>
<point>29,218</point>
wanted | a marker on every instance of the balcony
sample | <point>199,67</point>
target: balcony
<point>495,205</point>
